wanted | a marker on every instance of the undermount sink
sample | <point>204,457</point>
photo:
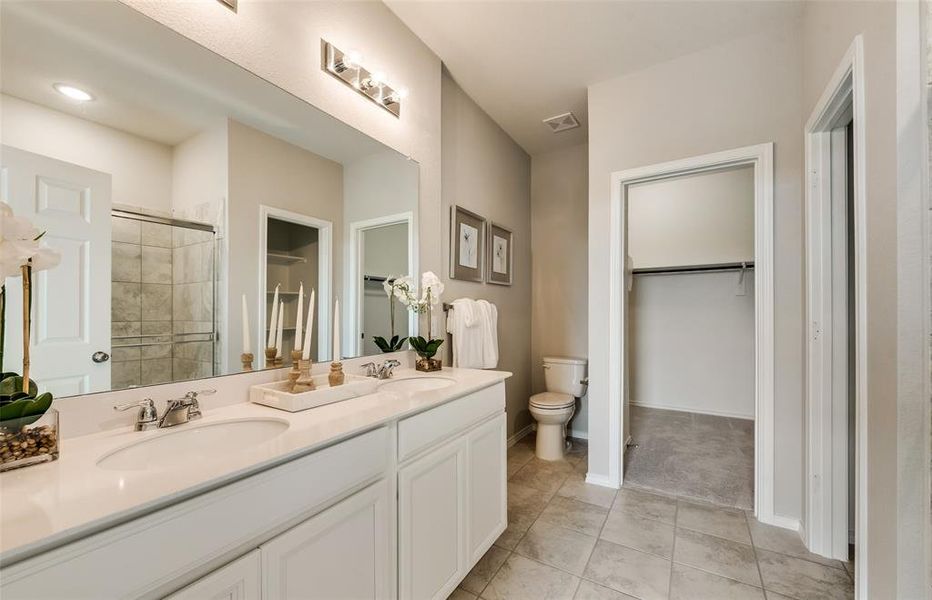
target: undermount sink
<point>192,442</point>
<point>416,384</point>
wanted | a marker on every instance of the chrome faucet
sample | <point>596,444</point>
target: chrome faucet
<point>177,411</point>
<point>146,418</point>
<point>381,372</point>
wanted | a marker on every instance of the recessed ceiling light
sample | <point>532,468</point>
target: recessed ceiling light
<point>72,92</point>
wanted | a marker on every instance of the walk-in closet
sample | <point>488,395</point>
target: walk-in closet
<point>690,332</point>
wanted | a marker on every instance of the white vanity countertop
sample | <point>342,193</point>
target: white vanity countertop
<point>47,505</point>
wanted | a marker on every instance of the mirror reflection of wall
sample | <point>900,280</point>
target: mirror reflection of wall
<point>184,184</point>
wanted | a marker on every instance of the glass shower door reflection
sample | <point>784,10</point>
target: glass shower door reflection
<point>163,307</point>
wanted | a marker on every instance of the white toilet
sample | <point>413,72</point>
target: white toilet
<point>564,378</point>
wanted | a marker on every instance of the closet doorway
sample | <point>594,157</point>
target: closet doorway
<point>691,329</point>
<point>691,336</point>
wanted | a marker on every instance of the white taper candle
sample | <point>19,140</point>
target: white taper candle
<point>245,327</point>
<point>306,355</point>
<point>273,323</point>
<point>336,331</point>
<point>299,319</point>
<point>281,326</point>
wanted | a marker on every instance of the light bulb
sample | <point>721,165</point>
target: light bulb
<point>377,77</point>
<point>72,92</point>
<point>401,93</point>
<point>352,59</point>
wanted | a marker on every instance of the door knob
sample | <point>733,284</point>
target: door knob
<point>100,356</point>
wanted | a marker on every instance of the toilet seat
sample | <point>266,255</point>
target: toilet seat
<point>552,401</point>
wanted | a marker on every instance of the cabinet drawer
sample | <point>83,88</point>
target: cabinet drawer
<point>439,424</point>
<point>147,555</point>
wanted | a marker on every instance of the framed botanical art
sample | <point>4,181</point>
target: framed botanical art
<point>467,244</point>
<point>501,255</point>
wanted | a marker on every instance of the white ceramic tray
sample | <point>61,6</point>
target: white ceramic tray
<point>277,395</point>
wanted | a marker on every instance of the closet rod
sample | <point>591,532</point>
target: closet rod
<point>376,278</point>
<point>732,266</point>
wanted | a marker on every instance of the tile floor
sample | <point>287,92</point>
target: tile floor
<point>702,457</point>
<point>568,540</point>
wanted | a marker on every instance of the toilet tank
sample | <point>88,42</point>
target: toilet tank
<point>564,374</point>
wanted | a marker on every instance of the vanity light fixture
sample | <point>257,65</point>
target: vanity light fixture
<point>74,93</point>
<point>347,67</point>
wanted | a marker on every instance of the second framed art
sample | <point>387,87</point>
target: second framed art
<point>501,255</point>
<point>467,244</point>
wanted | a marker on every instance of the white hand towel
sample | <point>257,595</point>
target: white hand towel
<point>489,326</point>
<point>463,323</point>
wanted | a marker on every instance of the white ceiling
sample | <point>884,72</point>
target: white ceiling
<point>525,61</point>
<point>149,81</point>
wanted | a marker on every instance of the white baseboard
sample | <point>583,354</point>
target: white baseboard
<point>521,433</point>
<point>579,434</point>
<point>781,521</point>
<point>690,409</point>
<point>601,480</point>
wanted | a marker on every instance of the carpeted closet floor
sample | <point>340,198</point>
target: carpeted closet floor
<point>690,455</point>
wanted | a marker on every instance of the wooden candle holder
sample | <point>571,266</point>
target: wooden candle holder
<point>270,357</point>
<point>246,357</point>
<point>336,376</point>
<point>294,373</point>
<point>304,382</point>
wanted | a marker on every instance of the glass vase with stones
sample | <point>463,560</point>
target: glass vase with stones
<point>29,441</point>
<point>428,365</point>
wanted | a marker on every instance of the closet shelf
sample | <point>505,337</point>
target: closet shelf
<point>285,258</point>
<point>281,293</point>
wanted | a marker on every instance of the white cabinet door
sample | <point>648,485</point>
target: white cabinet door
<point>486,516</point>
<point>344,552</point>
<point>239,580</point>
<point>431,523</point>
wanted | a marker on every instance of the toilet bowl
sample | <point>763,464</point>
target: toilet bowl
<point>565,381</point>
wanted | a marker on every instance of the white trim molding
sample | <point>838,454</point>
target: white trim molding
<point>826,502</point>
<point>324,277</point>
<point>761,158</point>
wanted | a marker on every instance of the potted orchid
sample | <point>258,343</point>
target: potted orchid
<point>431,289</point>
<point>27,434</point>
<point>395,287</point>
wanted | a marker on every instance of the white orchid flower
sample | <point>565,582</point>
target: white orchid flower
<point>45,258</point>
<point>19,242</point>
<point>404,290</point>
<point>431,288</point>
<point>389,285</point>
<point>15,228</point>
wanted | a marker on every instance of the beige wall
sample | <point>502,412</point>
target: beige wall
<point>486,172</point>
<point>737,94</point>
<point>199,176</point>
<point>265,170</point>
<point>141,169</point>
<point>559,275</point>
<point>700,219</point>
<point>828,31</point>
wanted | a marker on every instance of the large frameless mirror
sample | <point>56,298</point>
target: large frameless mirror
<point>191,202</point>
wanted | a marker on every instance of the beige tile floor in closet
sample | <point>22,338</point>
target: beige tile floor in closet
<point>568,540</point>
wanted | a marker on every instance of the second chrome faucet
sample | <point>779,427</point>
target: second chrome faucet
<point>177,411</point>
<point>381,372</point>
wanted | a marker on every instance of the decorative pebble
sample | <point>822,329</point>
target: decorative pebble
<point>27,443</point>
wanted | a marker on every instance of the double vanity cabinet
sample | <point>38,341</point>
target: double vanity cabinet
<point>403,509</point>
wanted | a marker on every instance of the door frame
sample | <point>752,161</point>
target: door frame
<point>759,156</point>
<point>354,285</point>
<point>826,506</point>
<point>324,276</point>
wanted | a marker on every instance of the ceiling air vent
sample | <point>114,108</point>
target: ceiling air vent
<point>562,122</point>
